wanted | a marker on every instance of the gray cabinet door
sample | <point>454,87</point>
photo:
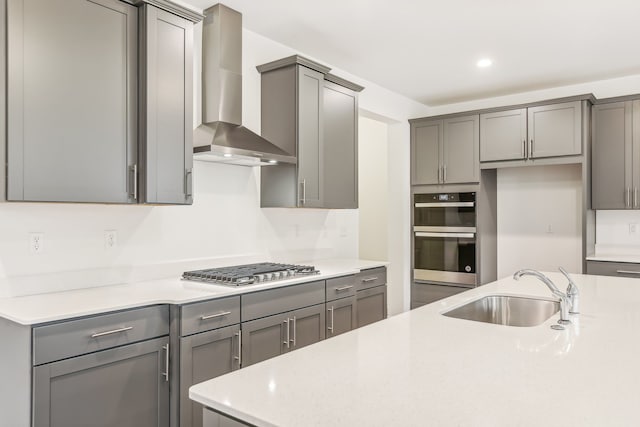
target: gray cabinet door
<point>426,293</point>
<point>461,158</point>
<point>265,338</point>
<point>555,130</point>
<point>166,128</point>
<point>310,137</point>
<point>72,100</point>
<point>371,305</point>
<point>426,157</point>
<point>122,387</point>
<point>611,163</point>
<point>340,147</point>
<point>307,326</point>
<point>202,357</point>
<point>635,154</point>
<point>503,135</point>
<point>341,316</point>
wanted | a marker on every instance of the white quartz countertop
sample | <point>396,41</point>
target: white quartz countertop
<point>42,308</point>
<point>631,258</point>
<point>420,368</point>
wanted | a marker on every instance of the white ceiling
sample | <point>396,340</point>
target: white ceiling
<point>427,49</point>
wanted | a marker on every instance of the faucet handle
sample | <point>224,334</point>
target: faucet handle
<point>572,292</point>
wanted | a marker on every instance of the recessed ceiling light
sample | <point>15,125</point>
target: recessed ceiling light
<point>484,63</point>
<point>227,155</point>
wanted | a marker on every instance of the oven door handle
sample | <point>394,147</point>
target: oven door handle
<point>461,235</point>
<point>445,205</point>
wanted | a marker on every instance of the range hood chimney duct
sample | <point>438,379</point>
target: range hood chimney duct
<point>221,136</point>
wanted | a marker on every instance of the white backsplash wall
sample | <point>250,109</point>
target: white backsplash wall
<point>224,221</point>
<point>618,232</point>
<point>539,218</point>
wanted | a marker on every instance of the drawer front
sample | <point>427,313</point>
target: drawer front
<point>208,315</point>
<point>426,293</point>
<point>371,278</point>
<point>274,301</point>
<point>619,269</point>
<point>341,287</point>
<point>76,337</point>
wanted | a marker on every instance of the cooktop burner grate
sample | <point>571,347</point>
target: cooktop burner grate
<point>248,274</point>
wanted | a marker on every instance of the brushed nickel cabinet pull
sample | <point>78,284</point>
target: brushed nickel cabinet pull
<point>286,341</point>
<point>165,374</point>
<point>627,272</point>
<point>330,328</point>
<point>344,288</point>
<point>239,356</point>
<point>370,279</point>
<point>213,316</point>
<point>115,331</point>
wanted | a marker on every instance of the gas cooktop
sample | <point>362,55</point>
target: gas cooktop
<point>248,274</point>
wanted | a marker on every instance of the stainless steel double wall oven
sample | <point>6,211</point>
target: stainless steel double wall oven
<point>444,239</point>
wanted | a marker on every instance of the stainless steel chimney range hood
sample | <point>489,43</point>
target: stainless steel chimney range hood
<point>221,136</point>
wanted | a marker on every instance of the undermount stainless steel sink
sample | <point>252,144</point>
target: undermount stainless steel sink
<point>507,310</point>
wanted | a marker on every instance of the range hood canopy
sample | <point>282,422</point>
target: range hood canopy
<point>221,136</point>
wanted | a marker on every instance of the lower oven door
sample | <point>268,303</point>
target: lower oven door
<point>445,257</point>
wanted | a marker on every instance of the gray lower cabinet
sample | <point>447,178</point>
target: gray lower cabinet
<point>552,130</point>
<point>213,419</point>
<point>618,269</point>
<point>204,356</point>
<point>445,151</point>
<point>72,100</point>
<point>341,316</point>
<point>166,118</point>
<point>615,175</point>
<point>274,335</point>
<point>209,346</point>
<point>123,387</point>
<point>312,115</point>
<point>426,293</point>
<point>108,370</point>
<point>371,305</point>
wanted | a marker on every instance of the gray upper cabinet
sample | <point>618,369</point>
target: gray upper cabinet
<point>340,146</point>
<point>445,151</point>
<point>615,158</point>
<point>538,132</point>
<point>72,100</point>
<point>503,135</point>
<point>425,152</point>
<point>310,129</point>
<point>99,111</point>
<point>555,130</point>
<point>312,115</point>
<point>166,119</point>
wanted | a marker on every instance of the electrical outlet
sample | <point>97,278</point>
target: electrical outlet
<point>36,243</point>
<point>110,239</point>
<point>633,228</point>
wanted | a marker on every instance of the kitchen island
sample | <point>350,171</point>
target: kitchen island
<point>421,368</point>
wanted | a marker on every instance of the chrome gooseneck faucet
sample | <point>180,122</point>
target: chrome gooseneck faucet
<point>565,302</point>
<point>572,292</point>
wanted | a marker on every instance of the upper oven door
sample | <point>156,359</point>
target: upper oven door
<point>433,212</point>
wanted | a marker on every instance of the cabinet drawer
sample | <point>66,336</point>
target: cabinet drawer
<point>426,293</point>
<point>619,269</point>
<point>208,315</point>
<point>370,278</point>
<point>76,337</point>
<point>274,301</point>
<point>341,287</point>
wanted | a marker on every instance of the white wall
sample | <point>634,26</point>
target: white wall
<point>539,216</point>
<point>373,178</point>
<point>224,222</point>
